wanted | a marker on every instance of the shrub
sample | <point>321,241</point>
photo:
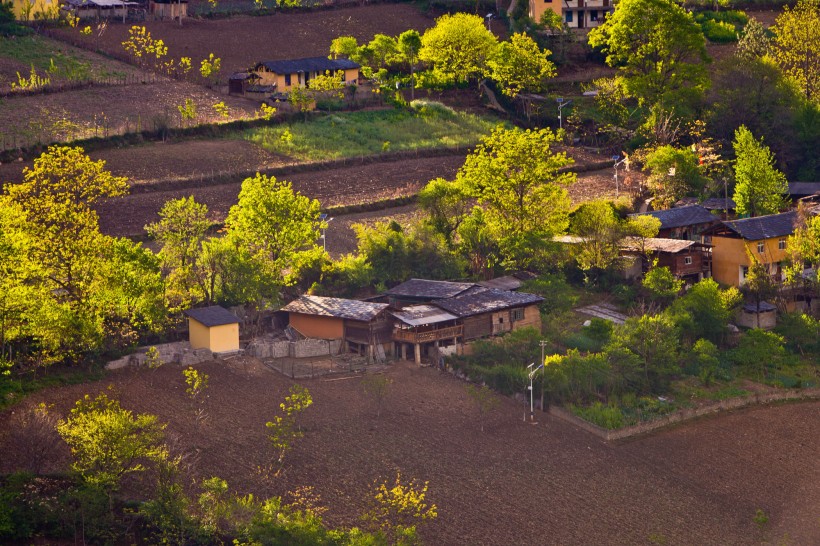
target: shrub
<point>609,417</point>
<point>719,32</point>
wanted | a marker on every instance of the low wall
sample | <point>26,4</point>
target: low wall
<point>683,415</point>
<point>178,352</point>
<point>304,348</point>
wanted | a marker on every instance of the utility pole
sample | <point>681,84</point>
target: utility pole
<point>618,162</point>
<point>561,104</point>
<point>542,343</point>
<point>533,369</point>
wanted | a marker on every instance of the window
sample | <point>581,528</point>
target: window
<point>344,75</point>
<point>287,80</point>
<point>593,15</point>
<point>517,314</point>
<point>781,244</point>
<point>569,17</point>
<point>760,248</point>
<point>687,260</point>
<point>744,272</point>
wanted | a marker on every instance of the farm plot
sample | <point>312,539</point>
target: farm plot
<point>110,110</point>
<point>516,483</point>
<point>243,41</point>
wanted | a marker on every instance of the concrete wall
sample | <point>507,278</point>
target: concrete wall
<point>179,352</point>
<point>767,321</point>
<point>297,80</point>
<point>729,254</point>
<point>538,7</point>
<point>295,349</point>
<point>317,326</point>
<point>224,337</point>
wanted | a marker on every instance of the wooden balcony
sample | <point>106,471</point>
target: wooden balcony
<point>428,336</point>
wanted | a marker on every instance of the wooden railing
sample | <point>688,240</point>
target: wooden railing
<point>428,336</point>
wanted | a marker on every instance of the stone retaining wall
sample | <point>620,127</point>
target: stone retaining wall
<point>683,415</point>
<point>304,348</point>
<point>178,352</point>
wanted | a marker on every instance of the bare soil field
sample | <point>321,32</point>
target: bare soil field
<point>242,41</point>
<point>516,483</point>
<point>110,110</point>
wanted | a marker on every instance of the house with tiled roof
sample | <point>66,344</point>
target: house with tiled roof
<point>765,238</point>
<point>682,222</point>
<point>425,290</point>
<point>362,326</point>
<point>284,75</point>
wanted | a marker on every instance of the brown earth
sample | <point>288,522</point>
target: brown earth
<point>242,41</point>
<point>517,483</point>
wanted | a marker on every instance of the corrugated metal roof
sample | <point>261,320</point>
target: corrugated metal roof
<point>427,289</point>
<point>308,64</point>
<point>485,301</point>
<point>764,227</point>
<point>100,3</point>
<point>335,307</point>
<point>658,244</point>
<point>681,216</point>
<point>419,315</point>
<point>214,315</point>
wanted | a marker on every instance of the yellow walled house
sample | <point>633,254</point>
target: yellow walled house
<point>28,10</point>
<point>285,75</point>
<point>213,328</point>
<point>575,13</point>
<point>765,237</point>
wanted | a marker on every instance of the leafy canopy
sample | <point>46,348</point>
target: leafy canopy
<point>457,47</point>
<point>760,188</point>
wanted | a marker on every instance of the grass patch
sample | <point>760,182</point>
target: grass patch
<point>353,134</point>
<point>16,387</point>
<point>47,55</point>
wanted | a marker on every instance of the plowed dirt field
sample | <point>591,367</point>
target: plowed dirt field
<point>549,483</point>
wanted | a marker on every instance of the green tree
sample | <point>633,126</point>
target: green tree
<point>520,65</point>
<point>661,284</point>
<point>446,205</point>
<point>515,178</point>
<point>398,509</point>
<point>276,225</point>
<point>655,340</point>
<point>796,45</point>
<point>377,386</point>
<point>601,233</point>
<point>284,429</point>
<point>658,49</point>
<point>758,283</point>
<point>759,187</point>
<point>343,46</point>
<point>209,68</point>
<point>754,43</point>
<point>803,248</point>
<point>108,442</point>
<point>409,46</point>
<point>457,47</point>
<point>760,351</point>
<point>673,173</point>
<point>705,310</point>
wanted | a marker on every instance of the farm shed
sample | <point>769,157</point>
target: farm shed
<point>98,9</point>
<point>426,329</point>
<point>683,222</point>
<point>285,75</point>
<point>238,82</point>
<point>168,9</point>
<point>365,327</point>
<point>424,291</point>
<point>213,328</point>
<point>489,312</point>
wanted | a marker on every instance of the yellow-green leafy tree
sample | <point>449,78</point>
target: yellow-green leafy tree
<point>796,45</point>
<point>520,65</point>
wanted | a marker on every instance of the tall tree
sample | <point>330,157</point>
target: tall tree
<point>601,232</point>
<point>754,43</point>
<point>457,47</point>
<point>520,65</point>
<point>797,45</point>
<point>759,187</point>
<point>278,227</point>
<point>658,49</point>
<point>673,173</point>
<point>515,177</point>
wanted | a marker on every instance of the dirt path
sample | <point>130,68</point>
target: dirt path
<point>700,483</point>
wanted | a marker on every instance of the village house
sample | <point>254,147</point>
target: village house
<point>424,291</point>
<point>762,237</point>
<point>445,326</point>
<point>688,261</point>
<point>287,74</point>
<point>575,13</point>
<point>364,327</point>
<point>682,222</point>
<point>168,9</point>
<point>98,9</point>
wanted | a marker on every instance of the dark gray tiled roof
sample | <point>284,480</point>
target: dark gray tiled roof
<point>802,189</point>
<point>711,203</point>
<point>212,316</point>
<point>427,289</point>
<point>335,307</point>
<point>507,282</point>
<point>681,216</point>
<point>485,301</point>
<point>309,64</point>
<point>764,307</point>
<point>764,227</point>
